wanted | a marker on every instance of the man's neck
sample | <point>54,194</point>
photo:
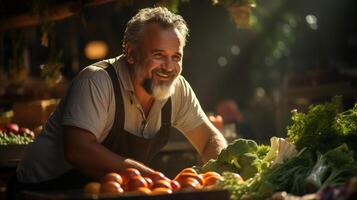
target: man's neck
<point>146,100</point>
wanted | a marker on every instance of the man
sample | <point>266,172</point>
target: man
<point>118,113</point>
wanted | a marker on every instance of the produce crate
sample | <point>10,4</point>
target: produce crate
<point>10,155</point>
<point>33,113</point>
<point>181,195</point>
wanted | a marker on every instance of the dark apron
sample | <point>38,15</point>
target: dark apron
<point>127,144</point>
<point>118,140</point>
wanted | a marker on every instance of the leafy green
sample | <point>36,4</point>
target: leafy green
<point>324,127</point>
<point>242,153</point>
<point>289,176</point>
<point>332,169</point>
<point>218,166</point>
<point>262,151</point>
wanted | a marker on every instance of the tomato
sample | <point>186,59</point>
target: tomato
<point>92,188</point>
<point>26,132</point>
<point>210,173</point>
<point>143,190</point>
<point>186,170</point>
<point>128,173</point>
<point>112,177</point>
<point>190,183</point>
<point>135,182</point>
<point>162,184</point>
<point>185,175</point>
<point>111,187</point>
<point>149,182</point>
<point>189,169</point>
<point>175,185</point>
<point>213,179</point>
<point>161,191</point>
<point>12,127</point>
<point>156,176</point>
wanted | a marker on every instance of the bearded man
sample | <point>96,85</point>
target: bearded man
<point>118,113</point>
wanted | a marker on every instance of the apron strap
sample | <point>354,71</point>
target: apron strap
<point>119,108</point>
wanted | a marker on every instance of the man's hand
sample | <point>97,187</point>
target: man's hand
<point>84,152</point>
<point>207,140</point>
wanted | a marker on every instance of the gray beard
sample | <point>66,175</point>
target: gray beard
<point>159,92</point>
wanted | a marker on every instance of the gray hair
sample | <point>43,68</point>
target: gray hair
<point>160,15</point>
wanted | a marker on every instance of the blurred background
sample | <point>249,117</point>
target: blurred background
<point>268,56</point>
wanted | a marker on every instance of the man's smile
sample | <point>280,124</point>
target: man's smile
<point>164,75</point>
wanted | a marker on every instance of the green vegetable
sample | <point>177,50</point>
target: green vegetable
<point>218,166</point>
<point>235,149</point>
<point>324,127</point>
<point>242,153</point>
<point>10,138</point>
<point>332,169</point>
<point>318,174</point>
<point>262,151</point>
<point>289,176</point>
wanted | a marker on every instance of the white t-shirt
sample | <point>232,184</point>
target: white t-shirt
<point>90,105</point>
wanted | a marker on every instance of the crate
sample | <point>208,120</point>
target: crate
<point>33,113</point>
<point>10,155</point>
<point>181,195</point>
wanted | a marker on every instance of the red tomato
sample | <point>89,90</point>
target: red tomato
<point>135,182</point>
<point>161,191</point>
<point>12,127</point>
<point>143,190</point>
<point>190,183</point>
<point>175,185</point>
<point>112,177</point>
<point>149,182</point>
<point>162,184</point>
<point>111,187</point>
<point>212,179</point>
<point>92,188</point>
<point>156,176</point>
<point>189,169</point>
<point>128,173</point>
<point>185,175</point>
<point>210,173</point>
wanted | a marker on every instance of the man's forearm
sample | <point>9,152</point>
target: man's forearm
<point>84,152</point>
<point>213,147</point>
<point>98,160</point>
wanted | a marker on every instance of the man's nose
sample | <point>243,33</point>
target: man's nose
<point>169,64</point>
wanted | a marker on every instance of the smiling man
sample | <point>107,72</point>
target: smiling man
<point>118,113</point>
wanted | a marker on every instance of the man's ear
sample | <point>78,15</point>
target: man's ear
<point>129,53</point>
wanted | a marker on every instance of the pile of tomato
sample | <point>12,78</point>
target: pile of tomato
<point>132,181</point>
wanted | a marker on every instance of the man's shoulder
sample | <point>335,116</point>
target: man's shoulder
<point>182,85</point>
<point>96,70</point>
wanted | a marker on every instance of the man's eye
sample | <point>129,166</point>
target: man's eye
<point>158,55</point>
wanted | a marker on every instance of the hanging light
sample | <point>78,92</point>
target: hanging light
<point>96,49</point>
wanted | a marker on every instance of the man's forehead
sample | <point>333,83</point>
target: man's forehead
<point>154,29</point>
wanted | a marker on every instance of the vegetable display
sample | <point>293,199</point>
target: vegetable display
<point>13,134</point>
<point>319,153</point>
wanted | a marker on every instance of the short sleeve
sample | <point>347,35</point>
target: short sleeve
<point>87,103</point>
<point>189,113</point>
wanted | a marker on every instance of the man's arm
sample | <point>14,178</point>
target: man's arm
<point>84,152</point>
<point>207,140</point>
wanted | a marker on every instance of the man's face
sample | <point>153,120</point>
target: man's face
<point>157,60</point>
